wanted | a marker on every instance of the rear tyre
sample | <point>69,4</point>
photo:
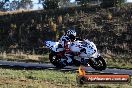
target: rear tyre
<point>98,63</point>
<point>55,60</point>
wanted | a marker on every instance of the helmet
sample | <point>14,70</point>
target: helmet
<point>71,34</point>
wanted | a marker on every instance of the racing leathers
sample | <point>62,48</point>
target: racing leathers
<point>65,43</point>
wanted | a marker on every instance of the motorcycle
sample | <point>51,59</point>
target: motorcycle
<point>80,52</point>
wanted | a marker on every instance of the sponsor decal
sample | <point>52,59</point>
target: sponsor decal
<point>82,77</point>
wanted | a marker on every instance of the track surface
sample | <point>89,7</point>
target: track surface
<point>11,64</point>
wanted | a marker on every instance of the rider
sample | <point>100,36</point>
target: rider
<point>68,37</point>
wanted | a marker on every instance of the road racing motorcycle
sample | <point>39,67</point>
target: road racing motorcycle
<point>80,52</point>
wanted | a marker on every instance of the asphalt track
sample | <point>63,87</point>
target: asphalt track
<point>24,65</point>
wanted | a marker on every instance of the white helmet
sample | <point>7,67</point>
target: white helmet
<point>71,32</point>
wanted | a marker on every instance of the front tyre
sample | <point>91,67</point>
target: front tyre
<point>98,63</point>
<point>56,60</point>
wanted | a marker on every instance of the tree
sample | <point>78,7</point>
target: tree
<point>83,1</point>
<point>25,4</point>
<point>105,3</point>
<point>14,5</point>
<point>64,3</point>
<point>1,5</point>
<point>120,2</point>
<point>50,4</point>
<point>112,3</point>
<point>53,4</point>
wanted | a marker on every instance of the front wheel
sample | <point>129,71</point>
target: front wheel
<point>55,60</point>
<point>98,63</point>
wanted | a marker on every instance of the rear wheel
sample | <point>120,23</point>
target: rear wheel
<point>98,63</point>
<point>56,60</point>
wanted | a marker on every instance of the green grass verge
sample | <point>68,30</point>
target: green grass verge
<point>25,58</point>
<point>119,62</point>
<point>10,78</point>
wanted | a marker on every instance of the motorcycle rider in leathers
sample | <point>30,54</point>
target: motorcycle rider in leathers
<point>69,36</point>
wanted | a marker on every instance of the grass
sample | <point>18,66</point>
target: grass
<point>11,78</point>
<point>34,78</point>
<point>118,62</point>
<point>25,58</point>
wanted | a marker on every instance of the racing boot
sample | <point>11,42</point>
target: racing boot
<point>69,61</point>
<point>64,61</point>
